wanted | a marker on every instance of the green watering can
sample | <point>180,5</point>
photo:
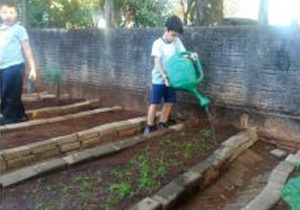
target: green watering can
<point>185,74</point>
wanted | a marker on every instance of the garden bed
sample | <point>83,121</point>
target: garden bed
<point>242,181</point>
<point>119,181</point>
<point>44,132</point>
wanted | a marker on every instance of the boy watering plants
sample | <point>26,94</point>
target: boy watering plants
<point>162,49</point>
<point>14,45</point>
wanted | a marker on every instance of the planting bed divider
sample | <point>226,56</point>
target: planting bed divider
<point>50,102</point>
<point>55,120</point>
<point>18,157</point>
<point>63,110</point>
<point>37,96</point>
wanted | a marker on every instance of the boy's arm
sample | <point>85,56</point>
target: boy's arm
<point>158,65</point>
<point>28,54</point>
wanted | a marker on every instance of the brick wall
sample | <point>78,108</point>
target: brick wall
<point>251,69</point>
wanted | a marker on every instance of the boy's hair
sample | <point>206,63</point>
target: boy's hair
<point>9,3</point>
<point>174,23</point>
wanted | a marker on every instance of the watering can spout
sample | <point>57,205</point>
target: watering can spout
<point>204,101</point>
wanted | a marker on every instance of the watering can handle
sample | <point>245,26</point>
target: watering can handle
<point>198,65</point>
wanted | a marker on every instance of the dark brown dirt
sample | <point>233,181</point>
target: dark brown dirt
<point>92,185</point>
<point>44,132</point>
<point>281,205</point>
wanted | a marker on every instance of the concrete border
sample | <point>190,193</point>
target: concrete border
<point>62,110</point>
<point>23,174</point>
<point>34,123</point>
<point>270,195</point>
<point>18,157</point>
<point>201,175</point>
<point>31,97</point>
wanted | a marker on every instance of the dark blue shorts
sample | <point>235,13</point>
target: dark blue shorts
<point>161,91</point>
<point>11,82</point>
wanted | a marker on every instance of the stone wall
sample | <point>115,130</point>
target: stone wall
<point>248,69</point>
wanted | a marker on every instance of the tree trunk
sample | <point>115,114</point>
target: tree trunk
<point>209,12</point>
<point>187,10</point>
<point>263,12</point>
<point>109,13</point>
<point>22,7</point>
<point>201,12</point>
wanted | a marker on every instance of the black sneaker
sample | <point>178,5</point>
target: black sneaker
<point>2,121</point>
<point>161,125</point>
<point>149,129</point>
<point>25,118</point>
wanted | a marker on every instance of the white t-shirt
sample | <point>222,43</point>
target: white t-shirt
<point>11,38</point>
<point>164,51</point>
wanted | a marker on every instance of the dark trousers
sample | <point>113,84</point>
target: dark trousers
<point>12,107</point>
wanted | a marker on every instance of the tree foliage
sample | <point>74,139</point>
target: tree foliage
<point>82,13</point>
<point>125,13</point>
<point>61,13</point>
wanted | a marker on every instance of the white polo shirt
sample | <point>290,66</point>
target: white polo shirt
<point>11,38</point>
<point>164,51</point>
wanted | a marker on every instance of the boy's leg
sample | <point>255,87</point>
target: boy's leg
<point>169,100</point>
<point>151,114</point>
<point>12,107</point>
<point>165,112</point>
<point>154,99</point>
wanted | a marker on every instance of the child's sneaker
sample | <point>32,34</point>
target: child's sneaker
<point>149,129</point>
<point>161,125</point>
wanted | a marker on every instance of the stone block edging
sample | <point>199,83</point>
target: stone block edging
<point>21,156</point>
<point>62,110</point>
<point>30,124</point>
<point>201,175</point>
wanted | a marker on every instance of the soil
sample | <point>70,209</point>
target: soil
<point>101,184</point>
<point>239,184</point>
<point>44,132</point>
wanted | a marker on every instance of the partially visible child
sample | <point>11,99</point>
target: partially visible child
<point>162,49</point>
<point>14,45</point>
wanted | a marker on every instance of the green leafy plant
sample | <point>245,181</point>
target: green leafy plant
<point>182,133</point>
<point>86,186</point>
<point>122,190</point>
<point>161,168</point>
<point>110,203</point>
<point>203,145</point>
<point>205,132</point>
<point>291,193</point>
<point>188,148</point>
<point>146,182</point>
